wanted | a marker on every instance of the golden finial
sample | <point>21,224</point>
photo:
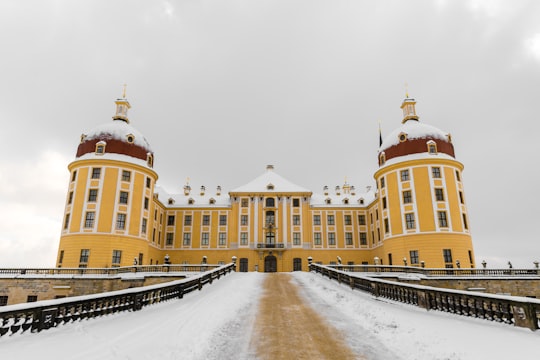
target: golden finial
<point>406,90</point>
<point>187,180</point>
<point>124,91</point>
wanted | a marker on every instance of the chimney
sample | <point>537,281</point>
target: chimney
<point>218,190</point>
<point>203,188</point>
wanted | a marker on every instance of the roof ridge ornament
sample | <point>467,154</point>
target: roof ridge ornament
<point>409,109</point>
<point>122,107</point>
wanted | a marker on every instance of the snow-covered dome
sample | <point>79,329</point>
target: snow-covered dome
<point>116,137</point>
<point>414,137</point>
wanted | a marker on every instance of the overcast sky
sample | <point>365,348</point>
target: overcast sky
<point>221,88</point>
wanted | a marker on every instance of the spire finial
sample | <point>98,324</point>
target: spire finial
<point>124,91</point>
<point>406,90</point>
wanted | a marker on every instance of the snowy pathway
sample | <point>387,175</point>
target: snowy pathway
<point>221,322</point>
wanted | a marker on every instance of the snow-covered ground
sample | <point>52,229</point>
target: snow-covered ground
<point>217,323</point>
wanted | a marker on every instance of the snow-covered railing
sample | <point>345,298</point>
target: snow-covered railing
<point>517,310</point>
<point>110,271</point>
<point>45,314</point>
<point>436,272</point>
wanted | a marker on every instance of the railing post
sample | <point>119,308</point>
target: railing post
<point>525,316</point>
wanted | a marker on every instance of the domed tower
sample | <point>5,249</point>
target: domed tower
<point>421,198</point>
<point>109,199</point>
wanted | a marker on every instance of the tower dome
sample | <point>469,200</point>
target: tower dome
<point>414,137</point>
<point>116,137</point>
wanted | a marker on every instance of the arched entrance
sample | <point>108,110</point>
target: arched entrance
<point>270,263</point>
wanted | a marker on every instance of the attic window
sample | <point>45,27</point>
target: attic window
<point>130,138</point>
<point>346,201</point>
<point>270,187</point>
<point>100,148</point>
<point>432,147</point>
<point>83,137</point>
<point>191,201</point>
<point>382,158</point>
<point>402,137</point>
<point>171,201</point>
<point>150,160</point>
<point>361,201</point>
<point>449,137</point>
<point>212,201</point>
<point>328,201</point>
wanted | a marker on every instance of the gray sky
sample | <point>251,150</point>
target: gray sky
<point>222,88</point>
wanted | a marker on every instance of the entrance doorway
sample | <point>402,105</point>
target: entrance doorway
<point>270,263</point>
<point>243,265</point>
<point>297,264</point>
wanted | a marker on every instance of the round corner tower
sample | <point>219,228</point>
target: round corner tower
<point>421,197</point>
<point>107,213</point>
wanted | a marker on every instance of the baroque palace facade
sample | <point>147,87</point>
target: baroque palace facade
<point>116,215</point>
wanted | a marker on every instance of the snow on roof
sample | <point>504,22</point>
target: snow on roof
<point>417,156</point>
<point>414,130</point>
<point>119,129</point>
<point>343,199</point>
<point>193,199</point>
<point>270,182</point>
<point>114,156</point>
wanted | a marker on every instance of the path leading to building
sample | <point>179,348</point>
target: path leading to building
<point>288,328</point>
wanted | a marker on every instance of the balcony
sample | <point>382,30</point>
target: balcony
<point>277,246</point>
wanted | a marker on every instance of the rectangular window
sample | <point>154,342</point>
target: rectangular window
<point>296,219</point>
<point>361,219</point>
<point>442,218</point>
<point>382,183</point>
<point>143,226</point>
<point>123,197</point>
<point>409,221</point>
<point>386,226</point>
<point>405,175</point>
<point>439,194</point>
<point>70,198</point>
<point>244,202</point>
<point>31,298</point>
<point>3,300</point>
<point>347,219</point>
<point>331,238</point>
<point>296,202</point>
<point>92,195</point>
<point>96,173</point>
<point>187,239</point>
<point>458,178</point>
<point>243,220</point>
<point>205,237</point>
<point>317,238</point>
<point>121,221</point>
<point>187,220</point>
<point>148,182</point>
<point>222,220</point>
<point>126,175</point>
<point>206,220</point>
<point>407,197</point>
<point>363,238</point>
<point>465,221</point>
<point>146,203</point>
<point>436,172</point>
<point>61,257</point>
<point>74,175</point>
<point>169,239</point>
<point>331,220</point>
<point>413,254</point>
<point>296,238</point>
<point>222,238</point>
<point>447,255</point>
<point>461,197</point>
<point>243,238</point>
<point>116,257</point>
<point>66,222</point>
<point>384,202</point>
<point>89,219</point>
<point>316,219</point>
<point>170,220</point>
<point>85,254</point>
<point>348,238</point>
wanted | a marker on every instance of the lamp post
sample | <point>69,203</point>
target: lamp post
<point>404,261</point>
<point>167,259</point>
<point>458,264</point>
<point>423,264</point>
<point>484,264</point>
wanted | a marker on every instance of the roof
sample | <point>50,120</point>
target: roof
<point>414,130</point>
<point>270,182</point>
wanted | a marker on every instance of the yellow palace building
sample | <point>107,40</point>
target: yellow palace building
<point>116,215</point>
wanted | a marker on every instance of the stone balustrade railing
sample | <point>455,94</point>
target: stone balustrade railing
<point>45,314</point>
<point>519,311</point>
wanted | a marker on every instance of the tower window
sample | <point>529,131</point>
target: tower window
<point>384,202</point>
<point>92,195</point>
<point>74,175</point>
<point>121,221</point>
<point>148,182</point>
<point>413,254</point>
<point>89,219</point>
<point>443,222</point>
<point>66,221</point>
<point>100,148</point>
<point>439,194</point>
<point>402,137</point>
<point>383,184</point>
<point>458,177</point>
<point>386,226</point>
<point>85,255</point>
<point>150,160</point>
<point>243,220</point>
<point>436,172</point>
<point>465,221</point>
<point>432,147</point>
<point>96,173</point>
<point>405,175</point>
<point>382,158</point>
<point>123,197</point>
<point>409,221</point>
<point>130,138</point>
<point>143,226</point>
<point>116,257</point>
<point>126,175</point>
<point>447,255</point>
<point>407,197</point>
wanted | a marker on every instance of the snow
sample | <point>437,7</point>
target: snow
<point>280,184</point>
<point>118,129</point>
<point>414,130</point>
<point>218,323</point>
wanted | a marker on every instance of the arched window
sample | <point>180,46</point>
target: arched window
<point>270,202</point>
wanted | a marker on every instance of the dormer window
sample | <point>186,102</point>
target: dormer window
<point>361,201</point>
<point>130,138</point>
<point>171,201</point>
<point>212,201</point>
<point>270,186</point>
<point>191,201</point>
<point>328,201</point>
<point>150,160</point>
<point>402,137</point>
<point>432,147</point>
<point>346,201</point>
<point>100,148</point>
<point>382,158</point>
